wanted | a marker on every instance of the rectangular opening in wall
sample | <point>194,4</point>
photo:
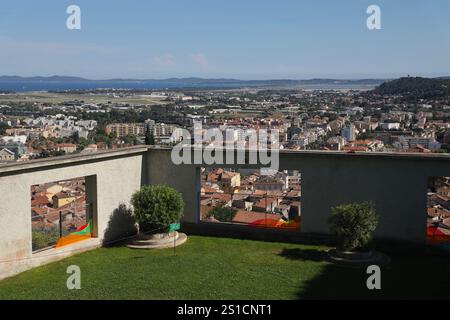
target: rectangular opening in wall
<point>253,197</point>
<point>438,211</point>
<point>60,214</point>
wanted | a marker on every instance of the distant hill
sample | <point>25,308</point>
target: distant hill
<point>416,87</point>
<point>19,79</point>
<point>66,82</point>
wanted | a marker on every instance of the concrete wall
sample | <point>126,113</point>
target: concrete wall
<point>112,178</point>
<point>396,183</point>
<point>184,178</point>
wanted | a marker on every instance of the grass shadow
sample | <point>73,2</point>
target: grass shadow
<point>121,226</point>
<point>304,254</point>
<point>406,277</point>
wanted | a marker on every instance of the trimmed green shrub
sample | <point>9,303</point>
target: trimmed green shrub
<point>223,214</point>
<point>353,224</point>
<point>157,206</point>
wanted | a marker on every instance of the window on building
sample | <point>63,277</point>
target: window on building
<point>60,214</point>
<point>254,197</point>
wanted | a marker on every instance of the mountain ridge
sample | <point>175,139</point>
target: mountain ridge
<point>61,83</point>
<point>416,87</point>
<point>58,78</point>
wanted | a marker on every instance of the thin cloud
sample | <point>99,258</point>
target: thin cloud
<point>166,60</point>
<point>53,48</point>
<point>200,59</point>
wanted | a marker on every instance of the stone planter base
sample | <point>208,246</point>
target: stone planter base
<point>358,259</point>
<point>158,241</point>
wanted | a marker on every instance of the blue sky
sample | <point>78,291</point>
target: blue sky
<point>246,39</point>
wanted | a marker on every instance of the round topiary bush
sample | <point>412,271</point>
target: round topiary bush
<point>353,224</point>
<point>156,207</point>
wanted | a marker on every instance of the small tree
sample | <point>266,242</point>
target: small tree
<point>149,138</point>
<point>155,207</point>
<point>223,214</point>
<point>353,224</point>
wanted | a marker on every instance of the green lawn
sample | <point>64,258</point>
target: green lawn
<point>217,268</point>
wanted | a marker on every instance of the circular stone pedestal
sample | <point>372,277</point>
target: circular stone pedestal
<point>358,259</point>
<point>158,241</point>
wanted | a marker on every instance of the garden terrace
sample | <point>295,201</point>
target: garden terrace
<point>222,268</point>
<point>396,183</point>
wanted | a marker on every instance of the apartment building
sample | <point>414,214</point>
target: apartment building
<point>124,129</point>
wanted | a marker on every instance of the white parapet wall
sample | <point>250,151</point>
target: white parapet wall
<point>112,177</point>
<point>396,183</point>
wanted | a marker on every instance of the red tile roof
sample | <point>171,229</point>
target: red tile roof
<point>221,196</point>
<point>39,201</point>
<point>356,148</point>
<point>243,216</point>
<point>39,211</point>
